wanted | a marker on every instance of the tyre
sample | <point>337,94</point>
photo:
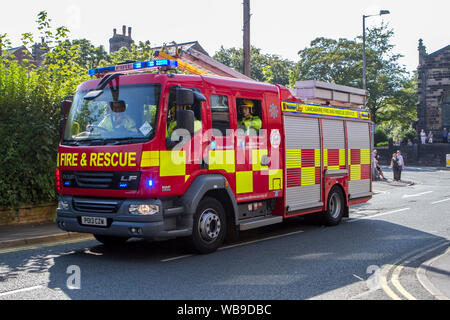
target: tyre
<point>335,208</point>
<point>209,228</point>
<point>110,241</point>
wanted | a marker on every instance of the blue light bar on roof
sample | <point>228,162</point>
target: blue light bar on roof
<point>136,66</point>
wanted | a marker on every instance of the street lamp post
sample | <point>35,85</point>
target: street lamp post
<point>382,12</point>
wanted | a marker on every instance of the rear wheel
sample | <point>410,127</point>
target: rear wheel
<point>335,208</point>
<point>210,226</point>
<point>110,241</point>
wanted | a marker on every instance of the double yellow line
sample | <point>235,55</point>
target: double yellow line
<point>394,270</point>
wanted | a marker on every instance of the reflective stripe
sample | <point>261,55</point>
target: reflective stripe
<point>355,172</point>
<point>222,160</point>
<point>365,156</point>
<point>172,163</point>
<point>244,182</point>
<point>293,159</point>
<point>257,155</point>
<point>150,159</point>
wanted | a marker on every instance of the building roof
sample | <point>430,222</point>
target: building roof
<point>439,51</point>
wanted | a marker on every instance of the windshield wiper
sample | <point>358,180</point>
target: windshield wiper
<point>129,140</point>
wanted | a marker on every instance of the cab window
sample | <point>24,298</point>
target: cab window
<point>220,114</point>
<point>172,108</point>
<point>249,117</point>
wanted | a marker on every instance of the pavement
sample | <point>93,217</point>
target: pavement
<point>31,234</point>
<point>434,274</point>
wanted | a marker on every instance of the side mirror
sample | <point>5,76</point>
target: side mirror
<point>199,96</point>
<point>65,107</point>
<point>184,96</point>
<point>62,128</point>
<point>185,120</point>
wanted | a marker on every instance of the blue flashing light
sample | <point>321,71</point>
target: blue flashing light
<point>123,185</point>
<point>150,183</point>
<point>135,66</point>
<point>67,183</point>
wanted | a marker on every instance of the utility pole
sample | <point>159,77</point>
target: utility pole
<point>247,52</point>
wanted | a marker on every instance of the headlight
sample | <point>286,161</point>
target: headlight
<point>63,205</point>
<point>143,209</point>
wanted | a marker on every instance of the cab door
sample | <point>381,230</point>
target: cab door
<point>220,148</point>
<point>252,169</point>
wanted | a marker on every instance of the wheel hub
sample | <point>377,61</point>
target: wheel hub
<point>209,225</point>
<point>335,206</point>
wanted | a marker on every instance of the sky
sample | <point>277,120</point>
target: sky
<point>281,27</point>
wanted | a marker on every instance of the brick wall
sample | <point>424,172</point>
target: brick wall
<point>28,214</point>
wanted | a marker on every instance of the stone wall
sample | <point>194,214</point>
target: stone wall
<point>28,214</point>
<point>433,155</point>
<point>433,87</point>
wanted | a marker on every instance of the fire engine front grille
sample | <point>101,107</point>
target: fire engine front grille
<point>117,180</point>
<point>96,205</point>
<point>97,180</point>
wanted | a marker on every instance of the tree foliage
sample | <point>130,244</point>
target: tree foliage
<point>29,116</point>
<point>264,67</point>
<point>340,62</point>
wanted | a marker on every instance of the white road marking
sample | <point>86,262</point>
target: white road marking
<point>440,201</point>
<point>417,194</point>
<point>260,240</point>
<point>378,215</point>
<point>237,245</point>
<point>20,290</point>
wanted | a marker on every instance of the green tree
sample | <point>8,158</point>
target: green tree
<point>398,112</point>
<point>29,116</point>
<point>140,52</point>
<point>264,67</point>
<point>340,62</point>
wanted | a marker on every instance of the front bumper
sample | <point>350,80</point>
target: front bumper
<point>123,224</point>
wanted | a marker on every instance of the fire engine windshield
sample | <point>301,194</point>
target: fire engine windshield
<point>121,114</point>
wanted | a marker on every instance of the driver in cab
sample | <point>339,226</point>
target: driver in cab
<point>118,118</point>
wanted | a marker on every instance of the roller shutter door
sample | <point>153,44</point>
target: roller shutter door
<point>359,157</point>
<point>334,150</point>
<point>303,163</point>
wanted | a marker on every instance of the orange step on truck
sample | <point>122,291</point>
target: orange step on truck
<point>161,155</point>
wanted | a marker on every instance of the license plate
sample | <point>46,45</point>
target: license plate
<point>93,221</point>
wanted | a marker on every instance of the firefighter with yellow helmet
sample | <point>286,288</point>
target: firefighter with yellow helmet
<point>249,121</point>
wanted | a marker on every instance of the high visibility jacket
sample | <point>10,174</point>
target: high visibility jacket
<point>251,122</point>
<point>197,127</point>
<point>126,122</point>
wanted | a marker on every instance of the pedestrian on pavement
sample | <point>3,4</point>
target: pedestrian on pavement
<point>423,136</point>
<point>401,164</point>
<point>445,135</point>
<point>394,166</point>
<point>430,137</point>
<point>376,163</point>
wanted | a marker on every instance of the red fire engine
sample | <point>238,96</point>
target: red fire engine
<point>122,173</point>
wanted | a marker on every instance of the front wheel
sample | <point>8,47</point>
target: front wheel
<point>210,226</point>
<point>335,208</point>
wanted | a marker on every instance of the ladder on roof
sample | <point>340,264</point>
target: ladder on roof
<point>185,64</point>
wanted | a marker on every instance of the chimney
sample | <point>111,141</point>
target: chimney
<point>124,29</point>
<point>422,52</point>
<point>115,32</point>
<point>129,32</point>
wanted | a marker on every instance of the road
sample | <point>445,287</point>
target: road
<point>373,255</point>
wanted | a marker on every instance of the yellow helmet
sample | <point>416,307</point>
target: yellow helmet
<point>247,103</point>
